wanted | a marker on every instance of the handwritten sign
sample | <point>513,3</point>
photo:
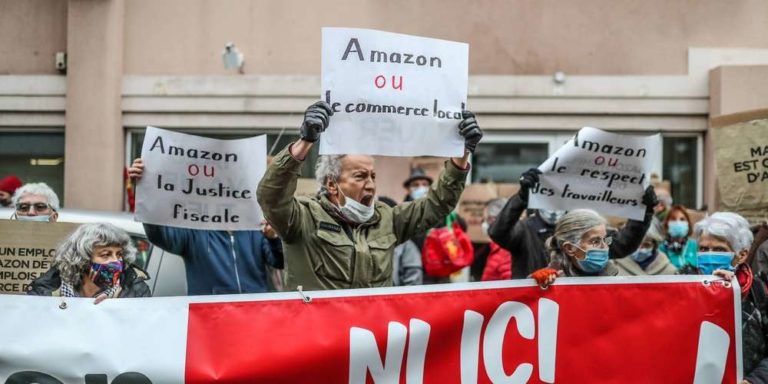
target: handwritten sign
<point>196,182</point>
<point>741,145</point>
<point>604,171</point>
<point>393,94</point>
<point>27,250</point>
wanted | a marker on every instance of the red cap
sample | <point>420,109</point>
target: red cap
<point>10,184</point>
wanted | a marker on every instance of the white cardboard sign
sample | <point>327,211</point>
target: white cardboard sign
<point>393,94</point>
<point>599,170</point>
<point>196,182</point>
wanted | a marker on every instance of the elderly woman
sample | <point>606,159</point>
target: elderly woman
<point>580,246</point>
<point>95,261</point>
<point>724,239</point>
<point>648,259</point>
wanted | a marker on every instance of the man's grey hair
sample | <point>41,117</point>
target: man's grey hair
<point>73,255</point>
<point>328,168</point>
<point>726,226</point>
<point>40,189</point>
<point>494,206</point>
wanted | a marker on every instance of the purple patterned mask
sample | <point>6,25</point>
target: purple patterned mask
<point>106,275</point>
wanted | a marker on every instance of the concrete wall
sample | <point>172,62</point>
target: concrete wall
<point>506,36</point>
<point>31,32</point>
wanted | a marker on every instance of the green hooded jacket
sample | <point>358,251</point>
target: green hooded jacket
<point>323,251</point>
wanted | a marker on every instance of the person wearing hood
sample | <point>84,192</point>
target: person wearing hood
<point>525,238</point>
<point>343,238</point>
<point>648,259</point>
<point>36,202</point>
<point>724,240</point>
<point>8,185</point>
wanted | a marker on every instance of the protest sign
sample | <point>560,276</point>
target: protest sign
<point>741,147</point>
<point>393,94</point>
<point>195,182</point>
<point>579,330</point>
<point>599,170</point>
<point>27,250</point>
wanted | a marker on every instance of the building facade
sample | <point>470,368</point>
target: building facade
<point>539,71</point>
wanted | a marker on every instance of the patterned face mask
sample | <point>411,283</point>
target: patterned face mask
<point>106,275</point>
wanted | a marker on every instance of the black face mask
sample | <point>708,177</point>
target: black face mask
<point>5,203</point>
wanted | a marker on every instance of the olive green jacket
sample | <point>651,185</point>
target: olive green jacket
<point>323,251</point>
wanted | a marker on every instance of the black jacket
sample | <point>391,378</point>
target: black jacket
<point>132,283</point>
<point>525,239</point>
<point>754,330</point>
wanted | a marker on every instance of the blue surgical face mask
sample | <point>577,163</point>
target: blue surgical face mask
<point>595,261</point>
<point>709,262</point>
<point>678,229</point>
<point>41,218</point>
<point>419,192</point>
<point>642,254</point>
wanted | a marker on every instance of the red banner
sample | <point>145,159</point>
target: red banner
<point>596,330</point>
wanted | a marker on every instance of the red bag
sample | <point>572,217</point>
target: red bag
<point>447,250</point>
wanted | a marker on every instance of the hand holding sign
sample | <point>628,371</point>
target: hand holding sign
<point>316,120</point>
<point>470,131</point>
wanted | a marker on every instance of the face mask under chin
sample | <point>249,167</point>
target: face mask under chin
<point>354,210</point>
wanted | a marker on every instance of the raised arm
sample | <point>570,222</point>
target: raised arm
<point>277,187</point>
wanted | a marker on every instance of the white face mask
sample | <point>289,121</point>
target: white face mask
<point>42,218</point>
<point>484,227</point>
<point>354,210</point>
<point>419,192</point>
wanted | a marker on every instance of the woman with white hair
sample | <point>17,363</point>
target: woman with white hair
<point>580,246</point>
<point>648,259</point>
<point>724,240</point>
<point>94,261</point>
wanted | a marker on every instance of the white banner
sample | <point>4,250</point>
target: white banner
<point>599,170</point>
<point>196,182</point>
<point>393,94</point>
<point>455,333</point>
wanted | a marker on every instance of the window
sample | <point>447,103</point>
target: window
<point>34,158</point>
<point>680,166</point>
<point>504,162</point>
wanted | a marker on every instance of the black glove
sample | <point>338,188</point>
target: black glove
<point>528,180</point>
<point>316,119</point>
<point>470,131</point>
<point>649,198</point>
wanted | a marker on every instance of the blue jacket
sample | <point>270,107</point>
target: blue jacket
<point>220,262</point>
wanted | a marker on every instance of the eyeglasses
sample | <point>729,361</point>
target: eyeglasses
<point>37,207</point>
<point>597,241</point>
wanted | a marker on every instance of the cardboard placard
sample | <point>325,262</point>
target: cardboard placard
<point>27,250</point>
<point>741,148</point>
